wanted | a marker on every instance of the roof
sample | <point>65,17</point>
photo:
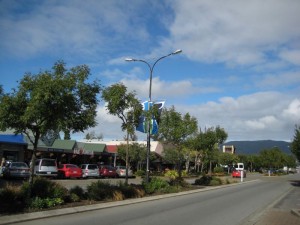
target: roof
<point>13,139</point>
<point>63,144</point>
<point>90,147</point>
<point>111,148</point>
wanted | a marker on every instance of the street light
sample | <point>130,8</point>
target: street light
<point>151,67</point>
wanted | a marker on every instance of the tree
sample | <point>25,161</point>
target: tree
<point>57,100</point>
<point>227,159</point>
<point>209,141</point>
<point>272,158</point>
<point>127,107</point>
<point>174,130</point>
<point>295,146</point>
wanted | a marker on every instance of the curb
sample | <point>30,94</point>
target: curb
<point>296,212</point>
<point>17,218</point>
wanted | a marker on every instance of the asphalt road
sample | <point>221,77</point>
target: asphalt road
<point>232,205</point>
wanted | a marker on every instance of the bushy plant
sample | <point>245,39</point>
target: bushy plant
<point>140,173</point>
<point>42,203</point>
<point>219,170</point>
<point>155,185</point>
<point>100,191</point>
<point>171,174</point>
<point>204,180</point>
<point>12,199</point>
<point>78,191</point>
<point>45,188</point>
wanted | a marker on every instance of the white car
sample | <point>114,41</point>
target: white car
<point>121,171</point>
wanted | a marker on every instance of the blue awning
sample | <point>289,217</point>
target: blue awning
<point>12,139</point>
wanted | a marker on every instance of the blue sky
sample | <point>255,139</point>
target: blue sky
<point>239,67</point>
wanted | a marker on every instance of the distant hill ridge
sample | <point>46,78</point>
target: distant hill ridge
<point>255,147</point>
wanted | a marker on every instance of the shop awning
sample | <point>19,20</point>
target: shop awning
<point>13,139</point>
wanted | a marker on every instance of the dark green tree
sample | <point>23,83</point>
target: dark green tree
<point>272,158</point>
<point>174,130</point>
<point>58,100</point>
<point>127,107</point>
<point>295,146</point>
<point>208,142</point>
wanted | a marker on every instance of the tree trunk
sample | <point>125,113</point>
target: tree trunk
<point>127,159</point>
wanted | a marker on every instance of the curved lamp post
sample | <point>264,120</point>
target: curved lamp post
<point>151,67</point>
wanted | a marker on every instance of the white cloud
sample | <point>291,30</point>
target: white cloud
<point>236,32</point>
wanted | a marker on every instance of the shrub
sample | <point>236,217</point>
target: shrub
<point>155,185</point>
<point>172,174</point>
<point>100,191</point>
<point>42,203</point>
<point>204,180</point>
<point>12,199</point>
<point>140,173</point>
<point>219,170</point>
<point>45,188</point>
<point>78,191</point>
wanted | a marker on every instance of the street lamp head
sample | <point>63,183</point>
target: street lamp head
<point>177,51</point>
<point>129,59</point>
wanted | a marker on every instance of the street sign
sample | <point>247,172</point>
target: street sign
<point>143,125</point>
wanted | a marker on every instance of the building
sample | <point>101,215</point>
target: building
<point>228,149</point>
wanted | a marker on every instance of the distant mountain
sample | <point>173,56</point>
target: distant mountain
<point>254,147</point>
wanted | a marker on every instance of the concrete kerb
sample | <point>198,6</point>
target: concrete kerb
<point>17,218</point>
<point>296,212</point>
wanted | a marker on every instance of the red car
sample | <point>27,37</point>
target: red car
<point>107,171</point>
<point>237,173</point>
<point>69,171</point>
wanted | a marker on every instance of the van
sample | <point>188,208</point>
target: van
<point>45,167</point>
<point>239,166</point>
<point>90,170</point>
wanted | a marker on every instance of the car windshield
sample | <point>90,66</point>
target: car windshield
<point>19,164</point>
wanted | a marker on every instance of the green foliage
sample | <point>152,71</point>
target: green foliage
<point>209,181</point>
<point>78,191</point>
<point>272,158</point>
<point>218,169</point>
<point>155,185</point>
<point>123,105</point>
<point>295,146</point>
<point>204,180</point>
<point>140,173</point>
<point>45,188</point>
<point>171,174</point>
<point>12,199</point>
<point>100,191</point>
<point>42,203</point>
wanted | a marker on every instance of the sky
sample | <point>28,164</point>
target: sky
<point>239,67</point>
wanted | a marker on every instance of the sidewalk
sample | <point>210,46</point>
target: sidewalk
<point>286,211</point>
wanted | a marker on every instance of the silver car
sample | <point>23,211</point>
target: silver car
<point>89,170</point>
<point>121,171</point>
<point>16,170</point>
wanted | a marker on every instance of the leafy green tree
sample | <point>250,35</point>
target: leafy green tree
<point>209,141</point>
<point>137,154</point>
<point>227,159</point>
<point>174,130</point>
<point>57,100</point>
<point>127,107</point>
<point>295,146</point>
<point>272,158</point>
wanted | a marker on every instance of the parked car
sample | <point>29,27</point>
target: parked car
<point>121,171</point>
<point>16,170</point>
<point>69,171</point>
<point>89,170</point>
<point>45,167</point>
<point>237,173</point>
<point>107,171</point>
